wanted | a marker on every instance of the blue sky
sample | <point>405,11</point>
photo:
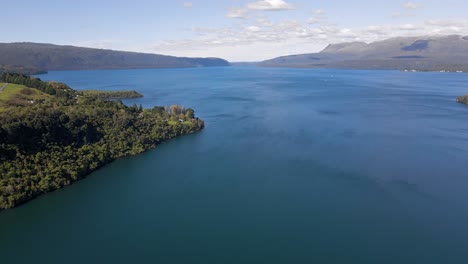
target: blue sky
<point>238,30</point>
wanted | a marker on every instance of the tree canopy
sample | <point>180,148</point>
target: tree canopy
<point>49,145</point>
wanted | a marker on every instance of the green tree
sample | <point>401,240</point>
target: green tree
<point>190,113</point>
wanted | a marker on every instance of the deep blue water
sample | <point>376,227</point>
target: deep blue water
<point>294,166</point>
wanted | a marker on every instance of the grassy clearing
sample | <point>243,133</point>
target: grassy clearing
<point>177,122</point>
<point>9,91</point>
<point>19,95</point>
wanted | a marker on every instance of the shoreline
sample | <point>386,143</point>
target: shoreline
<point>100,166</point>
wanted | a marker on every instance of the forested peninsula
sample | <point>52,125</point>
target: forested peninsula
<point>52,135</point>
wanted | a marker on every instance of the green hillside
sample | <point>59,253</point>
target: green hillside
<point>52,135</point>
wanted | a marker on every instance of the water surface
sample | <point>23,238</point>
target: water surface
<point>294,166</point>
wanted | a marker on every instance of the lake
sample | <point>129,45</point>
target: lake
<point>294,166</point>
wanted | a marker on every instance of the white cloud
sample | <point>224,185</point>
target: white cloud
<point>270,5</point>
<point>319,12</point>
<point>412,5</point>
<point>314,20</point>
<point>262,21</point>
<point>263,5</point>
<point>188,5</point>
<point>237,13</point>
<point>447,23</point>
<point>407,27</point>
<point>253,28</point>
<point>294,36</point>
<point>319,17</point>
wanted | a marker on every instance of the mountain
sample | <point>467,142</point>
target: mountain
<point>30,57</point>
<point>449,53</point>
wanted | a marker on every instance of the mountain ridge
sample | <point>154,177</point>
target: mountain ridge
<point>30,56</point>
<point>424,53</point>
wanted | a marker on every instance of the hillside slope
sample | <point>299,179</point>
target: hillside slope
<point>52,135</point>
<point>44,57</point>
<point>404,53</point>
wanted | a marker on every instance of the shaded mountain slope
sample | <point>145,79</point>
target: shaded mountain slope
<point>44,57</point>
<point>404,53</point>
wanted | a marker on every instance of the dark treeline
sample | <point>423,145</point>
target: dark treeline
<point>44,147</point>
<point>113,94</point>
<point>20,69</point>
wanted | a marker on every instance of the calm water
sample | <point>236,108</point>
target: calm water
<point>294,166</point>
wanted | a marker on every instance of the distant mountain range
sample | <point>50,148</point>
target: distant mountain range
<point>429,53</point>
<point>446,53</point>
<point>35,57</point>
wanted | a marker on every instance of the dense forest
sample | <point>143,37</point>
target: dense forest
<point>50,144</point>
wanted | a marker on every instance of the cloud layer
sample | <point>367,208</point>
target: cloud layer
<point>306,36</point>
<point>270,5</point>
<point>264,5</point>
<point>237,13</point>
<point>258,34</point>
<point>412,5</point>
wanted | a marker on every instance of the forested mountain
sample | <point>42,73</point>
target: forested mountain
<point>52,135</point>
<point>449,53</point>
<point>29,57</point>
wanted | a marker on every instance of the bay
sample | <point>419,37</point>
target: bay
<point>294,166</point>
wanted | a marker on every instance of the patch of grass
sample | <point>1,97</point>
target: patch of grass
<point>20,95</point>
<point>178,122</point>
<point>9,91</point>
